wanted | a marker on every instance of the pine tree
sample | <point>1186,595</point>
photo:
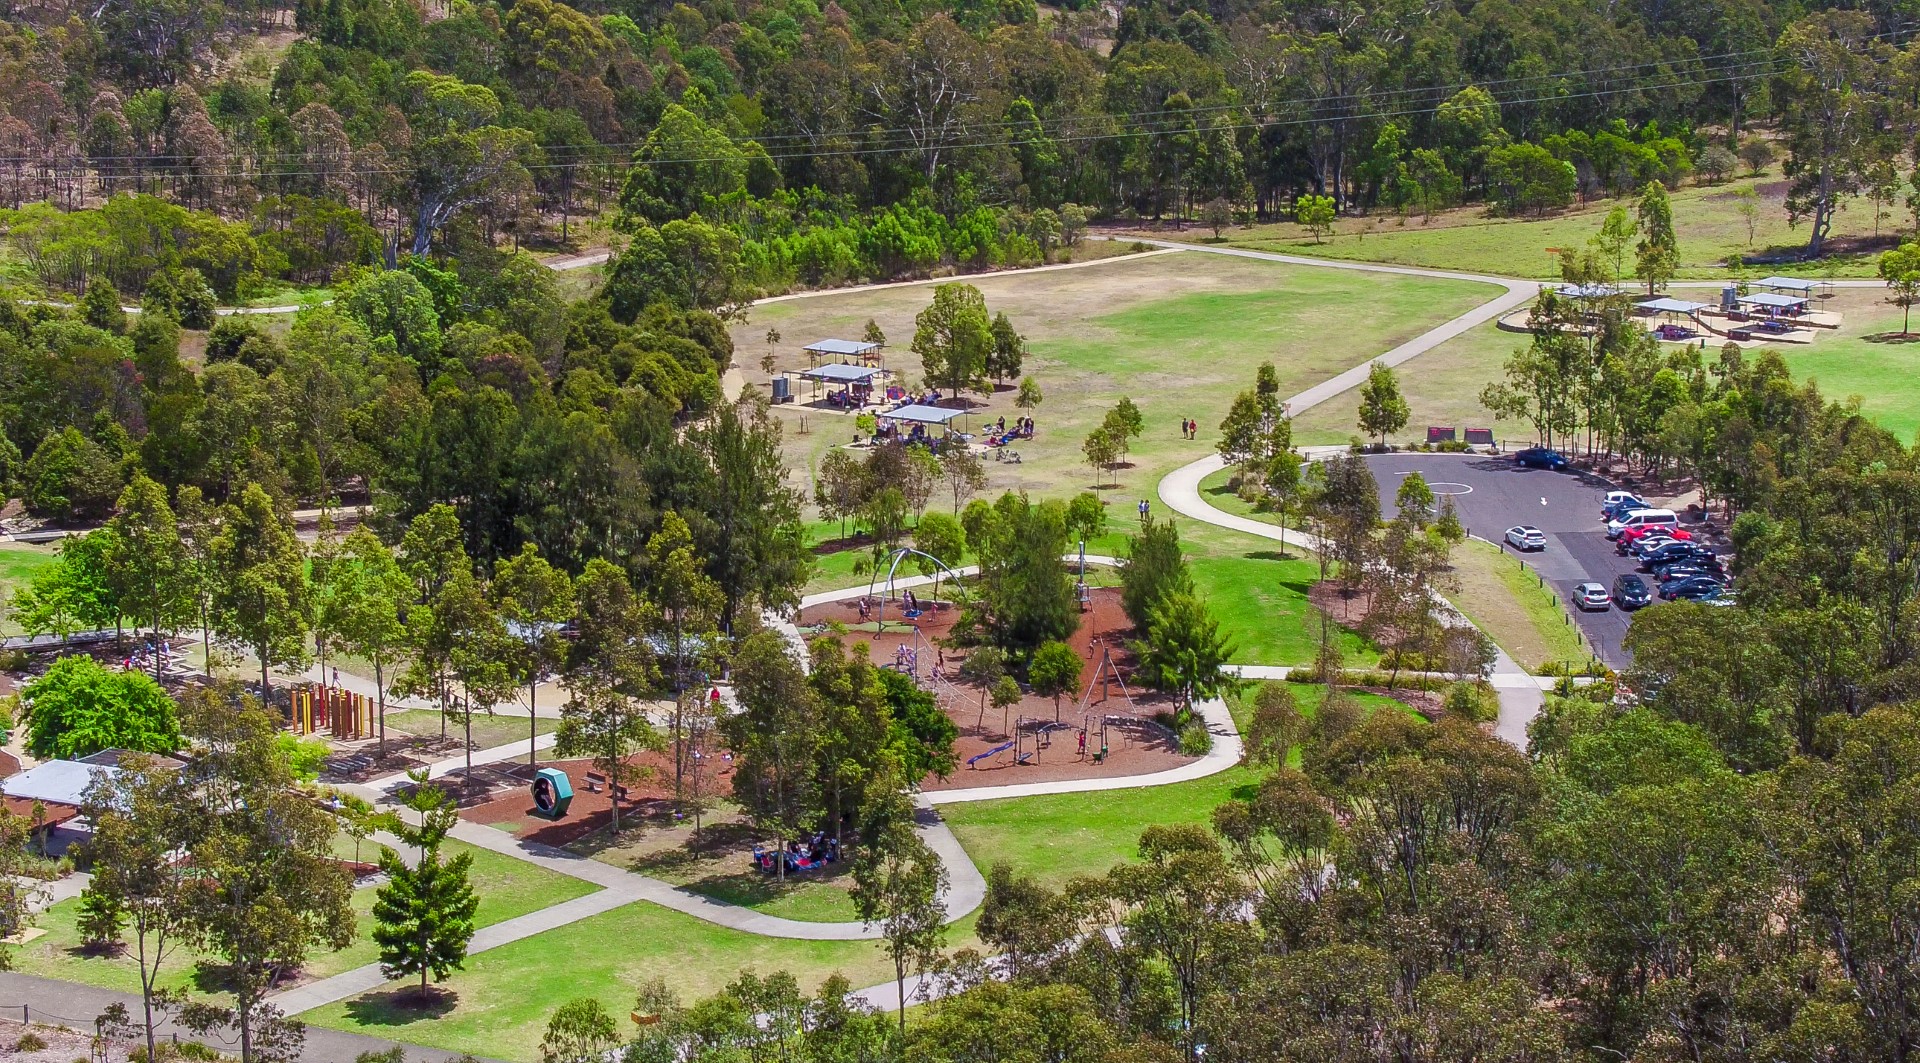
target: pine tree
<point>423,916</point>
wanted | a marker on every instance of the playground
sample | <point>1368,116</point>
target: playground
<point>1033,739</point>
<point>646,797</point>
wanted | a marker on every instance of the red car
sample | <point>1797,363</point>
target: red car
<point>1630,534</point>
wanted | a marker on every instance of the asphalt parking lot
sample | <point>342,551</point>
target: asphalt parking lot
<point>1493,494</point>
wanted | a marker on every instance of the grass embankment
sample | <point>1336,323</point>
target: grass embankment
<point>1508,602</point>
<point>507,888</point>
<point>1707,225</point>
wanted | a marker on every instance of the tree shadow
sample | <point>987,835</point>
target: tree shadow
<point>1893,337</point>
<point>1269,555</point>
<point>402,1007</point>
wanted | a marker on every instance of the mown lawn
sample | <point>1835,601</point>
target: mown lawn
<point>1179,334</point>
<point>19,563</point>
<point>499,1005</point>
<point>1706,220</point>
<point>1065,836</point>
<point>1507,602</point>
<point>507,888</point>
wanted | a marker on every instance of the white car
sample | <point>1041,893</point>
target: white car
<point>1592,596</point>
<point>1526,537</point>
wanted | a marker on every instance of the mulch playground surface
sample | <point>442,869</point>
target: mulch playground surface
<point>1135,745</point>
<point>648,781</point>
<point>500,795</point>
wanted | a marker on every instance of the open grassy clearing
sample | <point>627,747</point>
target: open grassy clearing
<point>1442,387</point>
<point>718,865</point>
<point>1706,220</point>
<point>19,562</point>
<point>488,731</point>
<point>507,888</point>
<point>499,1006</point>
<point>1179,334</point>
<point>1867,359</point>
<point>1509,603</point>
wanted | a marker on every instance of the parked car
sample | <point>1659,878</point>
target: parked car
<point>1642,518</point>
<point>1526,537</point>
<point>1645,544</point>
<point>1629,535</point>
<point>1673,551</point>
<point>1631,592</point>
<point>1593,597</point>
<point>1692,587</point>
<point>1683,570</point>
<point>1708,592</point>
<point>1618,502</point>
<point>1541,458</point>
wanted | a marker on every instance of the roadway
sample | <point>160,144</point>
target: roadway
<point>1492,494</point>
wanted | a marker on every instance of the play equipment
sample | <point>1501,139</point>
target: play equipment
<point>341,713</point>
<point>994,752</point>
<point>893,566</point>
<point>552,792</point>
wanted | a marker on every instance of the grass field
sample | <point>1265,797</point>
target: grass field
<point>1509,604</point>
<point>499,1006</point>
<point>1867,360</point>
<point>19,562</point>
<point>488,731</point>
<point>507,888</point>
<point>1179,334</point>
<point>1442,387</point>
<point>1706,220</point>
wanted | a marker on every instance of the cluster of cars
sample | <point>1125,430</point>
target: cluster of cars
<point>1676,567</point>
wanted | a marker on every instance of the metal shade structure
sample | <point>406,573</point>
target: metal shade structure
<point>1670,306</point>
<point>1773,303</point>
<point>842,350</point>
<point>856,378</point>
<point>919,414</point>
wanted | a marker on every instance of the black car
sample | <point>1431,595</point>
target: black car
<point>1693,587</point>
<point>1541,458</point>
<point>1631,592</point>
<point>1676,572</point>
<point>1671,552</point>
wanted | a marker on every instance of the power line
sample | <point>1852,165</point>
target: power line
<point>1063,127</point>
<point>105,173</point>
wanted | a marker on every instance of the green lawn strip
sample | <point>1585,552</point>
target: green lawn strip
<point>19,563</point>
<point>1064,836</point>
<point>1261,602</point>
<point>1509,603</point>
<point>488,731</point>
<point>507,888</point>
<point>499,1005</point>
<point>721,866</point>
<point>1707,226</point>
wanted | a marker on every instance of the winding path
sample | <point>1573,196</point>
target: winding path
<point>1519,692</point>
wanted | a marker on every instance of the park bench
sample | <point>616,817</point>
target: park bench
<point>597,781</point>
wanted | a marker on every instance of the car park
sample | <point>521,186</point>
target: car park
<point>1631,592</point>
<point>1592,597</point>
<point>1692,587</point>
<point>1541,458</point>
<point>1526,537</point>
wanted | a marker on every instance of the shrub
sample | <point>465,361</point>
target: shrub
<point>30,1042</point>
<point>1195,739</point>
<point>1474,701</point>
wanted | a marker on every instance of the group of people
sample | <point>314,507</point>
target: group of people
<point>143,659</point>
<point>818,851</point>
<point>999,435</point>
<point>849,398</point>
<point>1189,428</point>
